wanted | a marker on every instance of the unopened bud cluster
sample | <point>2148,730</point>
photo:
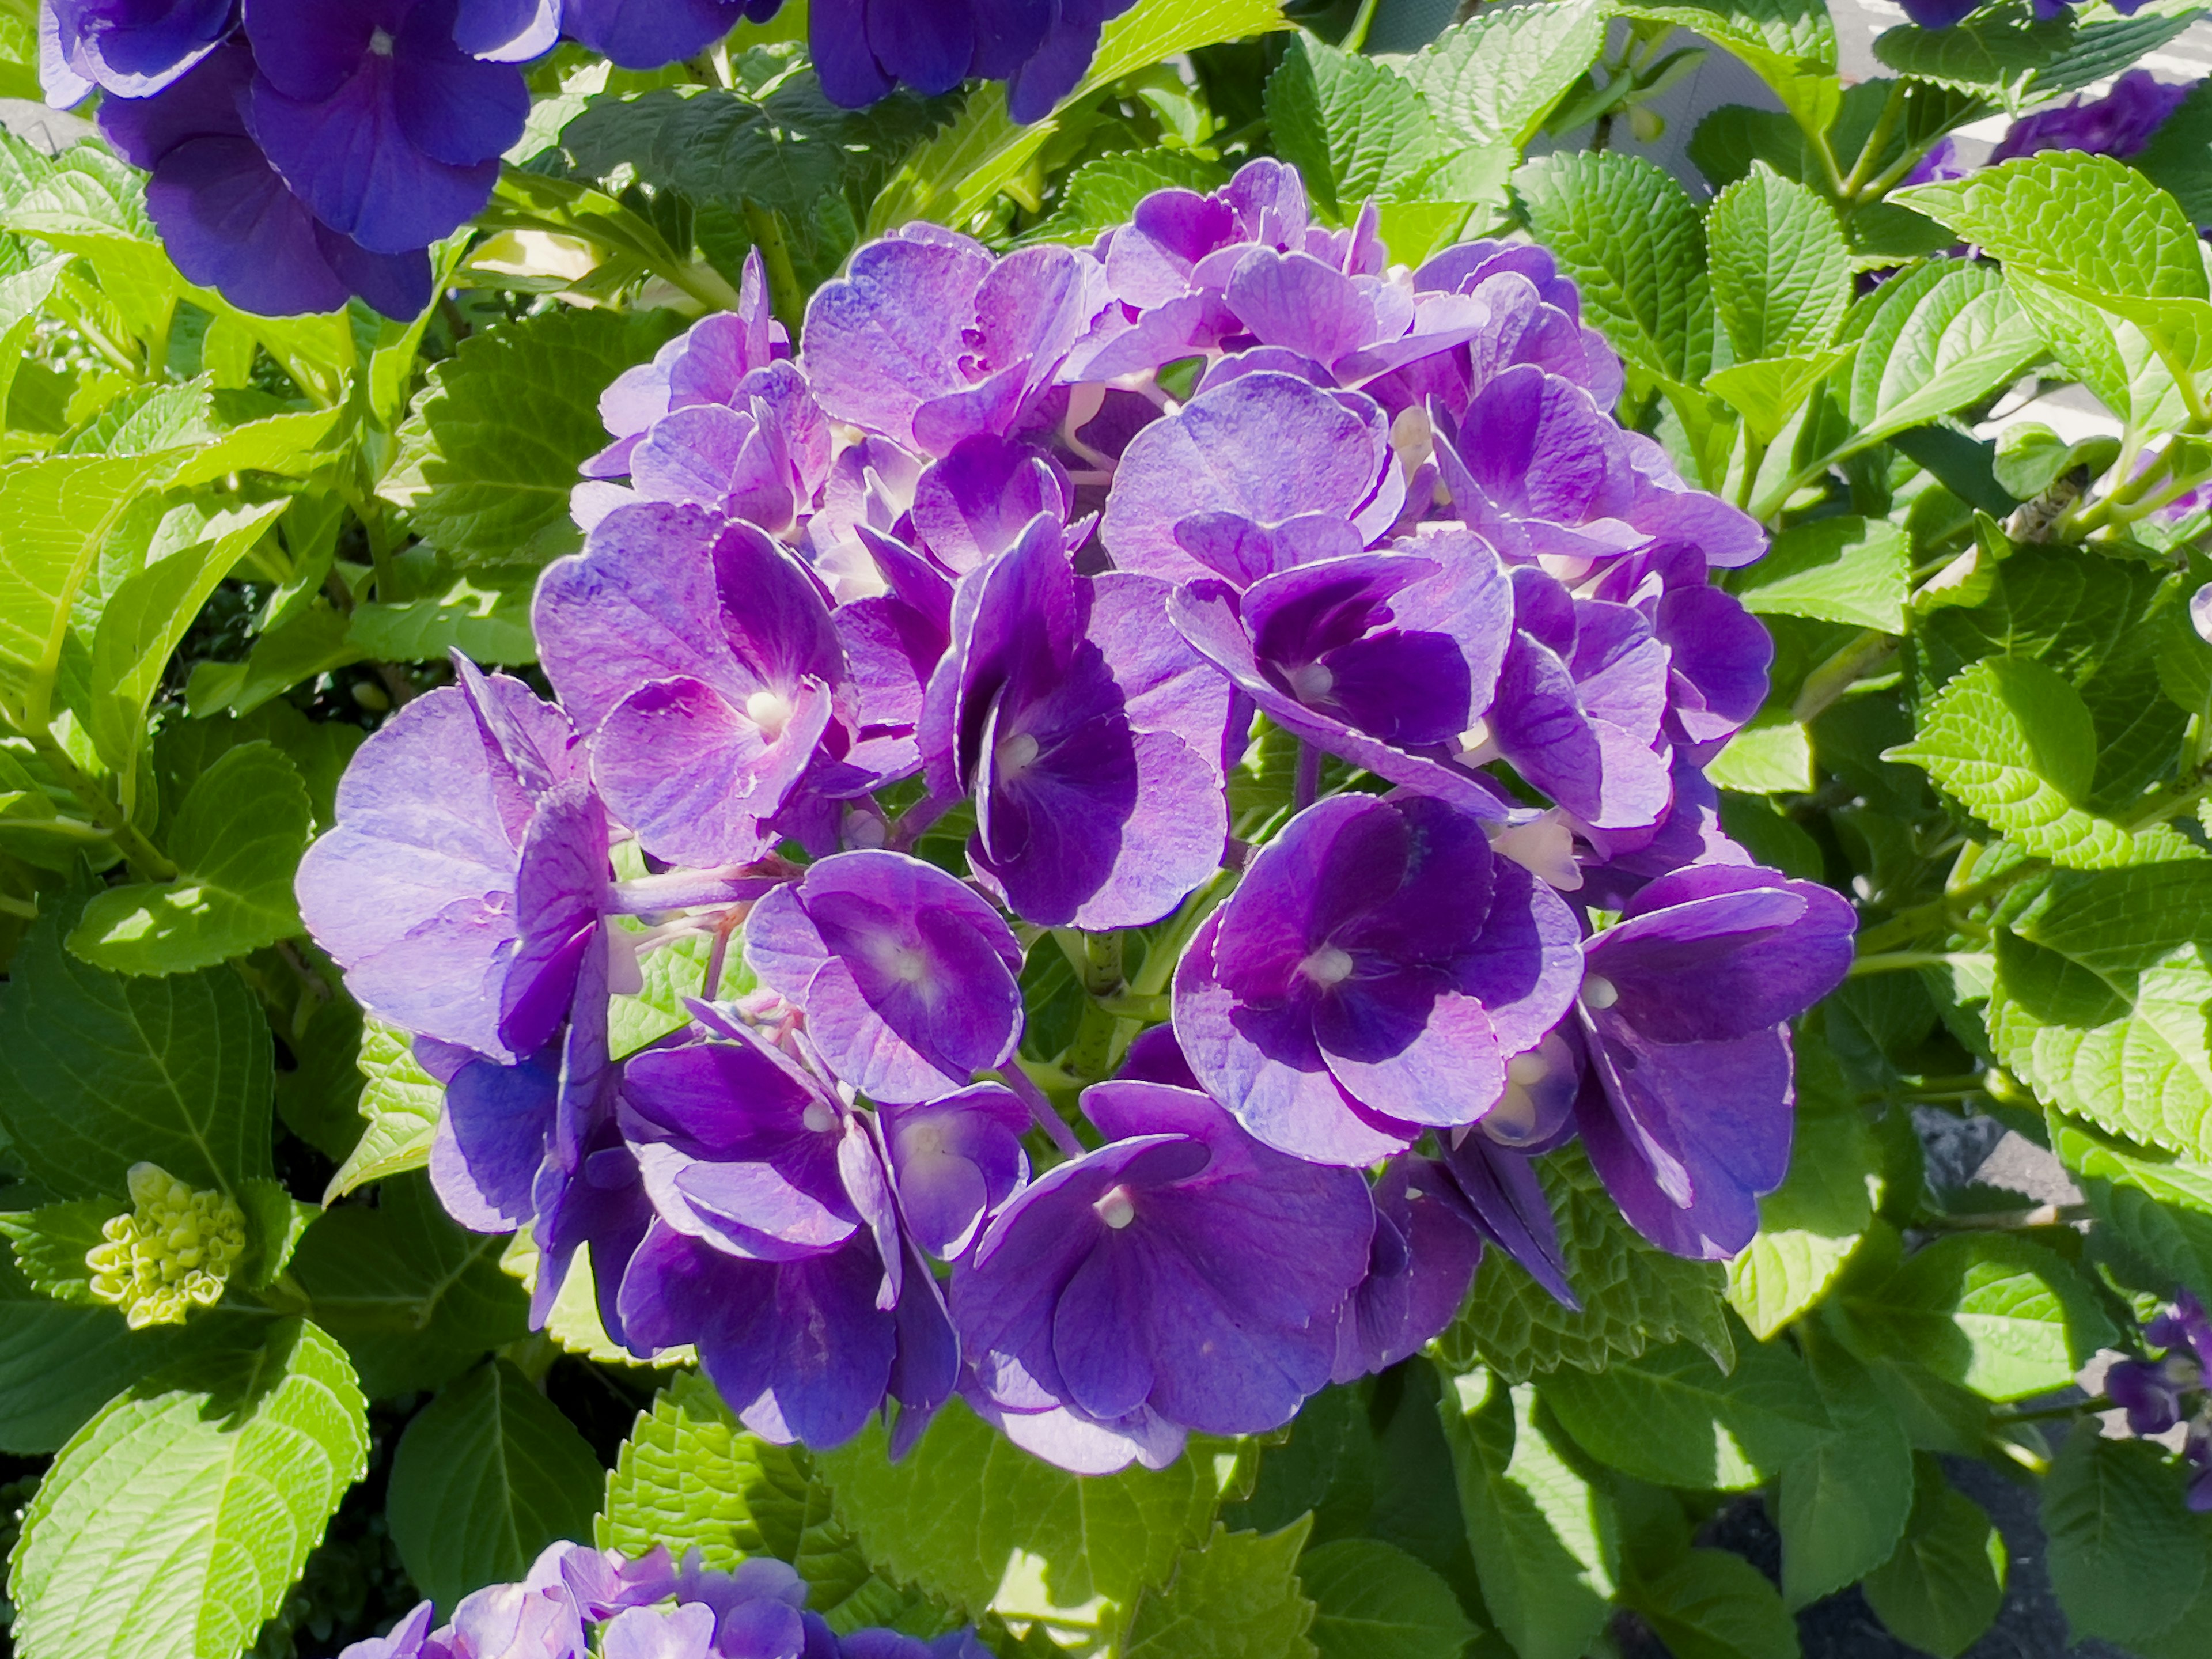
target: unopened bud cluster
<point>174,1248</point>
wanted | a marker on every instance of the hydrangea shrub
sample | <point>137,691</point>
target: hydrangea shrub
<point>955,829</point>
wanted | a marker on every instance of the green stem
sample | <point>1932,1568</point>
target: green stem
<point>1897,962</point>
<point>1853,663</point>
<point>785,292</point>
<point>1355,37</point>
<point>1871,152</point>
<point>144,857</point>
<point>1942,914</point>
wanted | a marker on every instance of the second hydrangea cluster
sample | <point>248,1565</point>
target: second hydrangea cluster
<point>1031,563</point>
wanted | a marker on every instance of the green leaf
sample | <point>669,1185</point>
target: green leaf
<point>237,845</point>
<point>1842,1504</point>
<point>414,1297</point>
<point>488,625</point>
<point>2127,1557</point>
<point>401,1104</point>
<point>2015,743</point>
<point>1781,273</point>
<point>314,642</point>
<point>488,458</point>
<point>691,1478</point>
<point>1808,1227</point>
<point>51,1244</point>
<point>147,615</point>
<point>1773,755</point>
<point>971,1519</point>
<point>1237,1598</point>
<point>1545,1538</point>
<point>1634,1297</point>
<point>1103,193</point>
<point>1713,1605</point>
<point>1493,79</point>
<point>487,1475</point>
<point>1943,1587</point>
<point>1992,1312</point>
<point>1931,341</point>
<point>2102,49</point>
<point>1372,1600</point>
<point>2112,356</point>
<point>1769,392</point>
<point>2090,219</point>
<point>672,972</point>
<point>1993,55</point>
<point>1627,235</point>
<point>1789,44</point>
<point>2099,1005</point>
<point>2158,1205</point>
<point>983,151</point>
<point>1352,127</point>
<point>1673,1417</point>
<point>98,1071</point>
<point>173,1523</point>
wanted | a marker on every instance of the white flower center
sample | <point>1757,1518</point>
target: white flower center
<point>1312,682</point>
<point>819,1118</point>
<point>1328,966</point>
<point>1016,754</point>
<point>1117,1209</point>
<point>379,42</point>
<point>770,711</point>
<point>1600,992</point>
<point>1531,1067</point>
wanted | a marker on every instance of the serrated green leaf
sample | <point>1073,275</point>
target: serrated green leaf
<point>1808,1226</point>
<point>1842,1504</point>
<point>1545,1538</point>
<point>1992,1312</point>
<point>173,1524</point>
<point>1633,1297</point>
<point>1372,1600</point>
<point>1789,44</point>
<point>51,1244</point>
<point>1671,1416</point>
<point>983,151</point>
<point>1773,755</point>
<point>414,1297</point>
<point>2098,1003</point>
<point>1236,1598</point>
<point>1493,79</point>
<point>2126,1556</point>
<point>487,1475</point>
<point>1353,127</point>
<point>488,458</point>
<point>237,845</point>
<point>1104,193</point>
<point>1627,235</point>
<point>971,1519</point>
<point>2159,1207</point>
<point>1932,341</point>
<point>1713,1605</point>
<point>2015,743</point>
<point>2102,48</point>
<point>2108,353</point>
<point>671,973</point>
<point>1943,1587</point>
<point>488,625</point>
<point>98,1071</point>
<point>691,1478</point>
<point>401,1104</point>
<point>2089,219</point>
<point>1769,392</point>
<point>1994,55</point>
<point>1781,272</point>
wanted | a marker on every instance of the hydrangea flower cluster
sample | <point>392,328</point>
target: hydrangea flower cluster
<point>2159,1395</point>
<point>171,1252</point>
<point>2119,125</point>
<point>1029,550</point>
<point>305,152</point>
<point>648,1609</point>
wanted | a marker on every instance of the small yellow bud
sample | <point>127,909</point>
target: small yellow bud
<point>171,1252</point>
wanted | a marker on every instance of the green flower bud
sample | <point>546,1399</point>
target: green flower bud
<point>171,1252</point>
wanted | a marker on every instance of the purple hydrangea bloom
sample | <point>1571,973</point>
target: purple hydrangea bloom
<point>1371,978</point>
<point>2119,123</point>
<point>387,129</point>
<point>907,977</point>
<point>507,31</point>
<point>227,217</point>
<point>1420,1263</point>
<point>777,1247</point>
<point>644,34</point>
<point>132,48</point>
<point>1091,736</point>
<point>1039,48</point>
<point>1686,1095</point>
<point>1183,1274</point>
<point>956,1161</point>
<point>701,658</point>
<point>928,339</point>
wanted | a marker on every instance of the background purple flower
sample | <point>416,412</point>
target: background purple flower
<point>1040,48</point>
<point>132,48</point>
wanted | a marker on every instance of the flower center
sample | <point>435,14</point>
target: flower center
<point>1328,966</point>
<point>770,711</point>
<point>1016,754</point>
<point>819,1118</point>
<point>1512,1121</point>
<point>1117,1209</point>
<point>1531,1067</point>
<point>379,42</point>
<point>1599,992</point>
<point>1312,682</point>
